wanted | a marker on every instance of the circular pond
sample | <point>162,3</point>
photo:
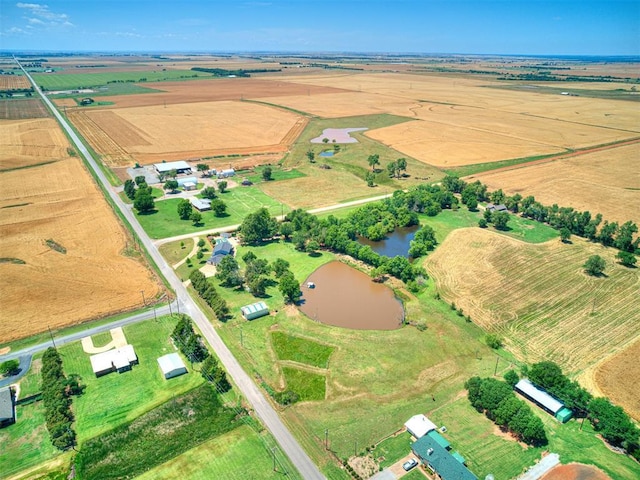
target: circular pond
<point>345,297</point>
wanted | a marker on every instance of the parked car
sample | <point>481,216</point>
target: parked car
<point>409,464</point>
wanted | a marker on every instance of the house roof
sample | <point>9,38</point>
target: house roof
<point>170,362</point>
<point>6,404</point>
<point>419,425</point>
<point>200,203</point>
<point>445,464</point>
<point>222,247</point>
<point>443,442</point>
<point>168,166</point>
<point>254,308</point>
<point>458,457</point>
<point>183,181</point>
<point>216,258</point>
<point>118,358</point>
<point>540,396</point>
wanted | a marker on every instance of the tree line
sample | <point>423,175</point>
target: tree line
<point>140,193</point>
<point>209,294</point>
<point>56,396</point>
<point>191,346</point>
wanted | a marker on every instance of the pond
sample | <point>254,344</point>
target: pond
<point>345,297</point>
<point>327,153</point>
<point>396,243</point>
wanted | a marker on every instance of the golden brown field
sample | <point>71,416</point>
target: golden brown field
<point>617,378</point>
<point>60,202</point>
<point>14,82</point>
<point>538,296</point>
<point>152,134</point>
<point>30,142</point>
<point>606,182</point>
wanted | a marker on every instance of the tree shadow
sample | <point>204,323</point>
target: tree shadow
<point>315,254</point>
<point>149,212</point>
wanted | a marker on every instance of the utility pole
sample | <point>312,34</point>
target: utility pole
<point>241,339</point>
<point>144,302</point>
<point>155,317</point>
<point>496,369</point>
<point>326,439</point>
<point>170,312</point>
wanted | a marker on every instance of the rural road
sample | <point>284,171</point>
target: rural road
<point>245,384</point>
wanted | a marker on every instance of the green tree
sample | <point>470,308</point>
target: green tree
<point>595,265</point>
<point>258,226</point>
<point>493,340</point>
<point>196,218</point>
<point>9,368</point>
<point>267,173</point>
<point>500,220</point>
<point>370,178</point>
<point>472,204</point>
<point>212,372</point>
<point>624,239</point>
<point>184,209</point>
<point>219,207</point>
<point>401,166</point>
<point>140,179</point>
<point>613,423</point>
<point>202,167</point>
<point>228,272</point>
<point>627,259</point>
<point>280,267</point>
<point>144,204</point>
<point>453,184</point>
<point>130,189</point>
<point>373,161</point>
<point>171,185</point>
<point>286,230</point>
<point>258,285</point>
<point>289,287</point>
<point>511,377</point>
<point>311,156</point>
<point>392,169</point>
<point>201,243</point>
<point>565,235</point>
<point>482,223</point>
<point>222,186</point>
<point>208,192</point>
<point>172,173</point>
<point>249,257</point>
<point>312,246</point>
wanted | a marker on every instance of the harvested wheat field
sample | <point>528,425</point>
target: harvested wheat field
<point>62,250</point>
<point>152,134</point>
<point>606,182</point>
<point>30,142</point>
<point>538,296</point>
<point>214,90</point>
<point>14,82</point>
<point>617,379</point>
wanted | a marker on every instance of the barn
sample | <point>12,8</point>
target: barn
<point>180,167</point>
<point>545,401</point>
<point>255,310</point>
<point>171,365</point>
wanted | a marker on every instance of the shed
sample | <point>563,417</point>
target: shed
<point>564,415</point>
<point>538,396</point>
<point>419,426</point>
<point>171,365</point>
<point>229,172</point>
<point>438,459</point>
<point>183,181</point>
<point>189,185</point>
<point>116,360</point>
<point>7,407</point>
<point>255,310</point>
<point>180,167</point>
<point>201,204</point>
<point>439,439</point>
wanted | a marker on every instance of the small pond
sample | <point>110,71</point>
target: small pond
<point>346,297</point>
<point>396,243</point>
<point>327,153</point>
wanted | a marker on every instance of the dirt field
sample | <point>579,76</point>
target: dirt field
<point>152,134</point>
<point>617,378</point>
<point>30,142</point>
<point>606,182</point>
<point>14,82</point>
<point>18,109</point>
<point>538,296</point>
<point>576,471</point>
<point>59,202</point>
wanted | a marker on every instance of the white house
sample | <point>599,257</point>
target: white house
<point>171,365</point>
<point>419,426</point>
<point>116,360</point>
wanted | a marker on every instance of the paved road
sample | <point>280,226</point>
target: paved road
<point>245,384</point>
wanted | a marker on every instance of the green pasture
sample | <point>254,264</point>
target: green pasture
<point>173,252</point>
<point>392,449</point>
<point>52,81</point>
<point>309,386</point>
<point>300,350</point>
<point>236,455</point>
<point>111,90</point>
<point>464,170</point>
<point>164,221</point>
<point>277,174</point>
<point>114,399</point>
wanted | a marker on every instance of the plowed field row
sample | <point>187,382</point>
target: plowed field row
<point>14,82</point>
<point>538,296</point>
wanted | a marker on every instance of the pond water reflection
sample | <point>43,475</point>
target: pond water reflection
<point>396,243</point>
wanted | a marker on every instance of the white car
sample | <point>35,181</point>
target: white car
<point>409,464</point>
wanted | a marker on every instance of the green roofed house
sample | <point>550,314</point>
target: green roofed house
<point>437,458</point>
<point>443,442</point>
<point>255,310</point>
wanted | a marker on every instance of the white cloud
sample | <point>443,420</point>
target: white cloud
<point>15,31</point>
<point>41,15</point>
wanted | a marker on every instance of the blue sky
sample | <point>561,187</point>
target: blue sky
<point>562,27</point>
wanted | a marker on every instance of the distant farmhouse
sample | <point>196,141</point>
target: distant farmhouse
<point>221,249</point>
<point>545,401</point>
<point>117,360</point>
<point>180,167</point>
<point>496,208</point>
<point>7,407</point>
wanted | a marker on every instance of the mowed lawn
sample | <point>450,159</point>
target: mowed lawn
<point>237,455</point>
<point>52,81</point>
<point>240,201</point>
<point>114,399</point>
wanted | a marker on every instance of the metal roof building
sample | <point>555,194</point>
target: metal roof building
<point>7,408</point>
<point>542,398</point>
<point>166,167</point>
<point>255,310</point>
<point>419,426</point>
<point>438,459</point>
<point>183,181</point>
<point>201,204</point>
<point>171,365</point>
<point>116,360</point>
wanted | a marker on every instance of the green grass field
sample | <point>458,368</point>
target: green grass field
<point>392,449</point>
<point>115,399</point>
<point>278,174</point>
<point>111,90</point>
<point>236,455</point>
<point>309,386</point>
<point>173,252</point>
<point>300,350</point>
<point>241,201</point>
<point>51,81</point>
